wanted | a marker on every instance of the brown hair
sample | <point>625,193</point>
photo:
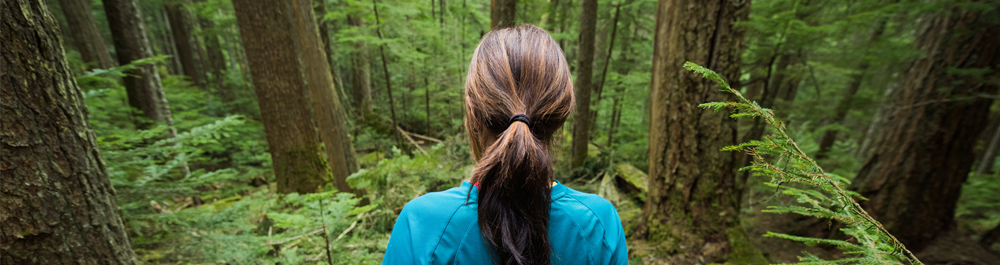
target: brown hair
<point>516,71</point>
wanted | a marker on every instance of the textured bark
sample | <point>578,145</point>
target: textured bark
<point>925,146</point>
<point>181,23</point>
<point>502,13</point>
<point>329,113</point>
<point>267,33</point>
<point>86,38</point>
<point>584,83</point>
<point>840,111</point>
<point>692,205</point>
<point>361,81</point>
<point>58,205</point>
<point>145,92</point>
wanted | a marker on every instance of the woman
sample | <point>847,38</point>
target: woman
<point>517,93</point>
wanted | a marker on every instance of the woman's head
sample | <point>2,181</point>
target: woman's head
<point>517,73</point>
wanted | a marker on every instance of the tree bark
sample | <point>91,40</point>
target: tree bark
<point>181,23</point>
<point>361,81</point>
<point>502,13</point>
<point>584,82</point>
<point>329,113</point>
<point>145,92</point>
<point>86,37</point>
<point>925,146</point>
<point>840,112</point>
<point>267,33</point>
<point>58,205</point>
<point>691,211</point>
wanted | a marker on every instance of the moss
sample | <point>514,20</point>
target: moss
<point>743,251</point>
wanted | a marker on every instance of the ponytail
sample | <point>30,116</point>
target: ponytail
<point>515,176</point>
<point>517,94</point>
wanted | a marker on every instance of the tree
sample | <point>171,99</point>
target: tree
<point>145,92</point>
<point>58,203</point>
<point>691,210</point>
<point>584,77</point>
<point>840,112</point>
<point>267,33</point>
<point>923,151</point>
<point>86,38</point>
<point>329,112</point>
<point>502,13</point>
<point>181,24</point>
<point>361,73</point>
<point>216,60</point>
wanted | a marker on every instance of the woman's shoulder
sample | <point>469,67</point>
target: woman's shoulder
<point>590,202</point>
<point>443,202</point>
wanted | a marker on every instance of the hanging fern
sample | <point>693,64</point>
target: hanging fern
<point>824,195</point>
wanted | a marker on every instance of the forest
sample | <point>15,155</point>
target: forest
<point>294,131</point>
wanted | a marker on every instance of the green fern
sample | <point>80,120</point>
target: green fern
<point>825,196</point>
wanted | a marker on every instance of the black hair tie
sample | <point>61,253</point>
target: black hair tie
<point>521,118</point>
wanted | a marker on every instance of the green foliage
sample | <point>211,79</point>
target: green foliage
<point>824,195</point>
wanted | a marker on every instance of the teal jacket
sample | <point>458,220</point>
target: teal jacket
<point>442,228</point>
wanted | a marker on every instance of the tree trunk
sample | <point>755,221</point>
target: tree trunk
<point>181,23</point>
<point>216,61</point>
<point>607,62</point>
<point>691,211</point>
<point>145,92</point>
<point>990,156</point>
<point>502,13</point>
<point>329,113</point>
<point>840,112</point>
<point>388,80</point>
<point>58,203</point>
<point>361,73</point>
<point>174,65</point>
<point>584,82</point>
<point>267,33</point>
<point>324,34</point>
<point>925,146</point>
<point>86,38</point>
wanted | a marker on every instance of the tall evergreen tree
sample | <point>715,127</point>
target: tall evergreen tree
<point>58,205</point>
<point>268,36</point>
<point>329,112</point>
<point>584,77</point>
<point>145,92</point>
<point>360,73</point>
<point>86,38</point>
<point>692,205</point>
<point>188,47</point>
<point>923,152</point>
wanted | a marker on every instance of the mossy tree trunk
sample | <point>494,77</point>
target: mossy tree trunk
<point>86,38</point>
<point>329,113</point>
<point>584,83</point>
<point>267,32</point>
<point>691,210</point>
<point>145,92</point>
<point>924,151</point>
<point>58,205</point>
